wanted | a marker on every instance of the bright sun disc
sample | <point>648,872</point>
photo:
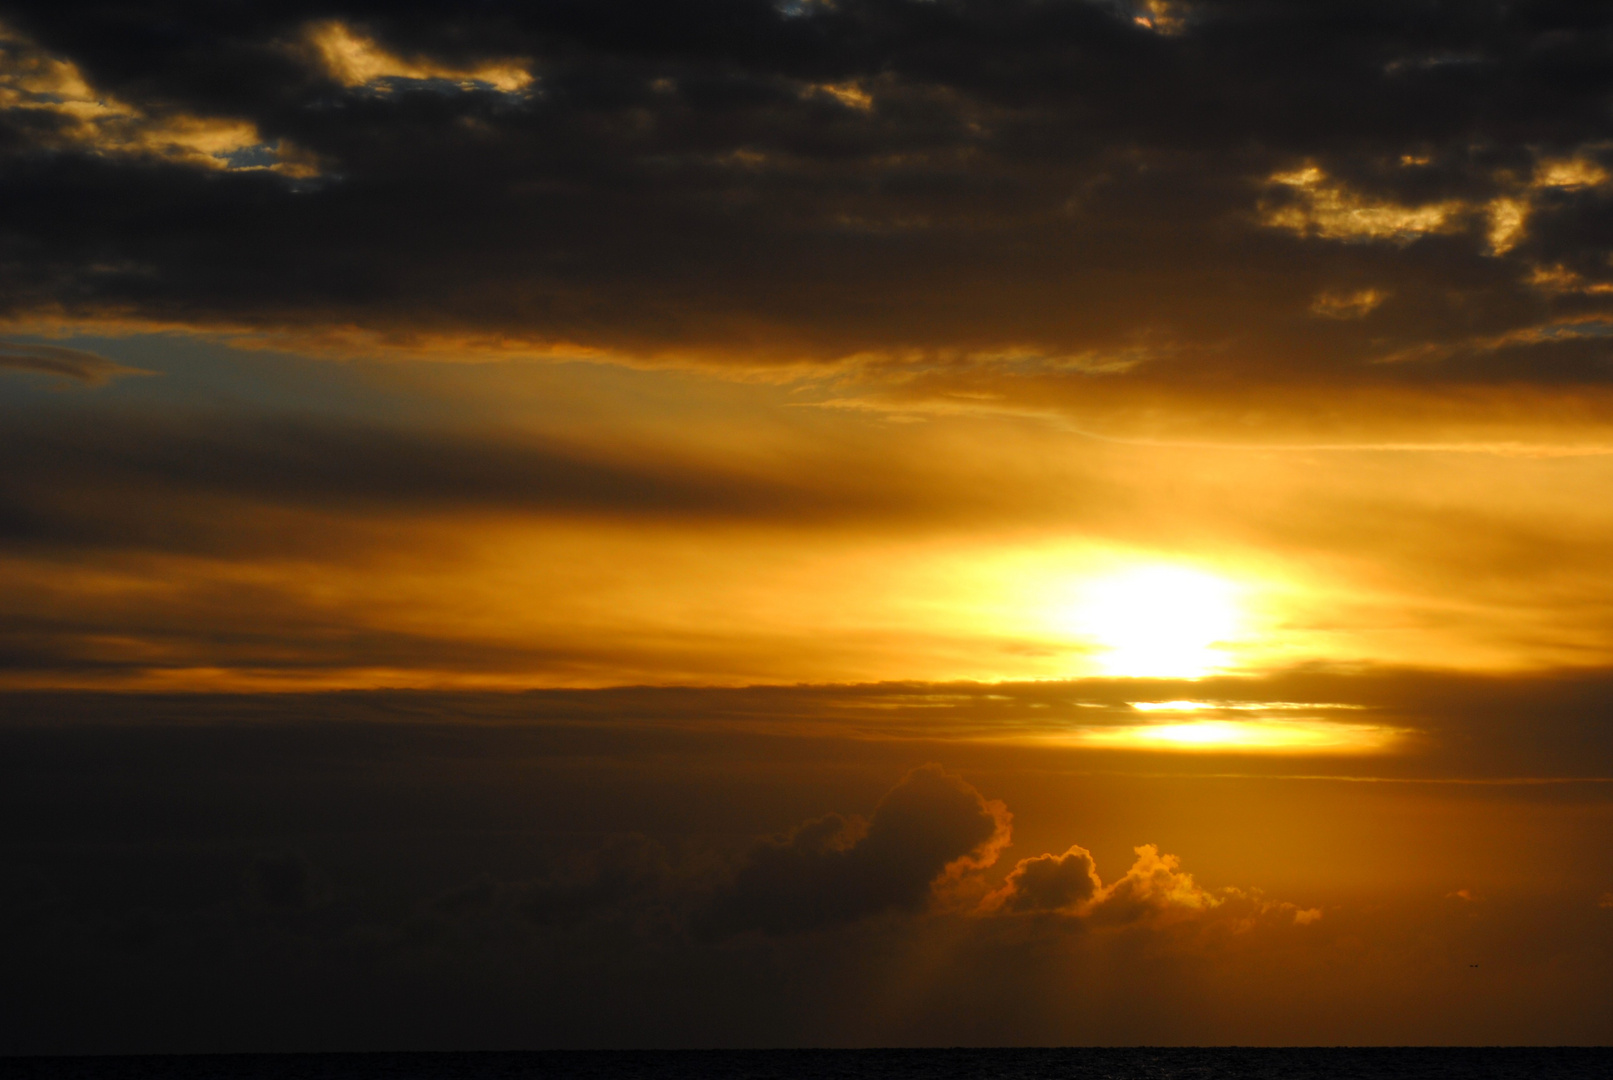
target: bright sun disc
<point>1161,621</point>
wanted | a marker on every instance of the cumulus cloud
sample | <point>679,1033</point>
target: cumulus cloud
<point>930,828</point>
<point>1155,892</point>
<point>1063,883</point>
<point>1155,886</point>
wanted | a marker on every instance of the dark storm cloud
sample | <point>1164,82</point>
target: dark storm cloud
<point>933,181</point>
<point>837,870</point>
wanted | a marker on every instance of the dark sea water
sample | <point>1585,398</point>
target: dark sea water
<point>1403,1063</point>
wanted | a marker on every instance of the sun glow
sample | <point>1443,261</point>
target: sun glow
<point>1160,621</point>
<point>1296,736</point>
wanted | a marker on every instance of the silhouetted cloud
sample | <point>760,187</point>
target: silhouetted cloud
<point>1049,882</point>
<point>837,870</point>
<point>1154,886</point>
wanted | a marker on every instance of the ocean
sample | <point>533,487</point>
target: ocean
<point>1063,1063</point>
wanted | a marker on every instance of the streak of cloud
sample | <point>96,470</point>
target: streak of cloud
<point>77,364</point>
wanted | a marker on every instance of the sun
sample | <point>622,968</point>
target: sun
<point>1161,621</point>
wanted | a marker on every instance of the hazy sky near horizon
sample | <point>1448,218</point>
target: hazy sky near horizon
<point>871,521</point>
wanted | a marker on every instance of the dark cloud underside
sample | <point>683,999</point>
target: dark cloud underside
<point>96,479</point>
<point>837,870</point>
<point>744,182</point>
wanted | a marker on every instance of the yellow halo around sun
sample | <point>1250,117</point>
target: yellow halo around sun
<point>1158,621</point>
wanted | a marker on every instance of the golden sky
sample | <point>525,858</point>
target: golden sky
<point>878,523</point>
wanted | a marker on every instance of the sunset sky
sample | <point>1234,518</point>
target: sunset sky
<point>805,522</point>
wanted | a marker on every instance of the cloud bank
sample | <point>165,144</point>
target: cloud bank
<point>1066,206</point>
<point>294,872</point>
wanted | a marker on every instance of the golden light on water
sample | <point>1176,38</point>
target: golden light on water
<point>1159,621</point>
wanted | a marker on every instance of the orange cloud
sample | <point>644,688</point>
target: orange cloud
<point>1060,883</point>
<point>1325,208</point>
<point>1154,888</point>
<point>1154,892</point>
<point>354,59</point>
<point>35,83</point>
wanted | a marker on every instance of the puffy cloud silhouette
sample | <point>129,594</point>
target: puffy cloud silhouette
<point>1048,883</point>
<point>1155,888</point>
<point>930,827</point>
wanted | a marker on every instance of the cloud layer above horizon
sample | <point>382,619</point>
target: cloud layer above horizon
<point>632,868</point>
